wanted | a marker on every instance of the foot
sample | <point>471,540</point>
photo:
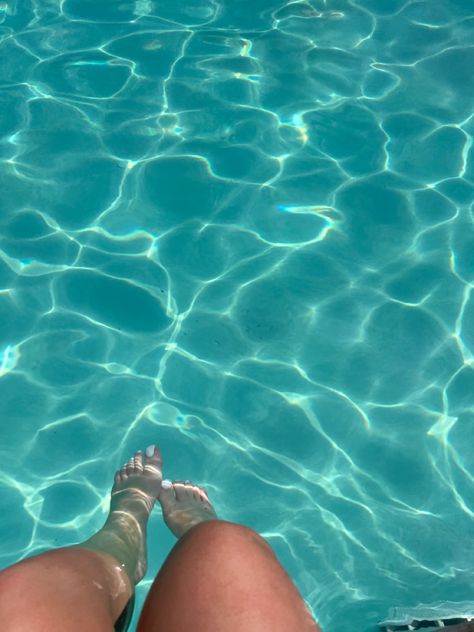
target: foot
<point>136,488</point>
<point>184,505</point>
<point>138,480</point>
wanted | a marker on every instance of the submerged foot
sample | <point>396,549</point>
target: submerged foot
<point>136,488</point>
<point>184,505</point>
<point>138,480</point>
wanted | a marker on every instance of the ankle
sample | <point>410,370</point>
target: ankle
<point>134,513</point>
<point>133,501</point>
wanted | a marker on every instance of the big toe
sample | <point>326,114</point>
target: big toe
<point>153,460</point>
<point>167,496</point>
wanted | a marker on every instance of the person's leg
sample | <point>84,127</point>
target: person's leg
<point>220,576</point>
<point>86,587</point>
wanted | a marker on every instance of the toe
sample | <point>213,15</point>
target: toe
<point>138,461</point>
<point>167,496</point>
<point>189,490</point>
<point>153,459</point>
<point>195,491</point>
<point>180,490</point>
<point>118,478</point>
<point>130,466</point>
<point>123,472</point>
<point>203,494</point>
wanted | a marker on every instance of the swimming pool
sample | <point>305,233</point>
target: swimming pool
<point>243,230</point>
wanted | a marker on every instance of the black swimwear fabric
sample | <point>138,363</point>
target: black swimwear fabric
<point>123,622</point>
<point>449,625</point>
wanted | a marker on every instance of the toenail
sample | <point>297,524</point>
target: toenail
<point>166,484</point>
<point>150,451</point>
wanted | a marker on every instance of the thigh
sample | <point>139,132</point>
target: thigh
<point>223,577</point>
<point>60,591</point>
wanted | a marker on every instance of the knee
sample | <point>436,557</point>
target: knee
<point>227,536</point>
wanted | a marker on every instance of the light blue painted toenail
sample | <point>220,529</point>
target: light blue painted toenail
<point>150,451</point>
<point>166,484</point>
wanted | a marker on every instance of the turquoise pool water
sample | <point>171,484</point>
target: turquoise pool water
<point>244,230</point>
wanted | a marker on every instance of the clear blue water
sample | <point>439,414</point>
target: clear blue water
<point>244,230</point>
